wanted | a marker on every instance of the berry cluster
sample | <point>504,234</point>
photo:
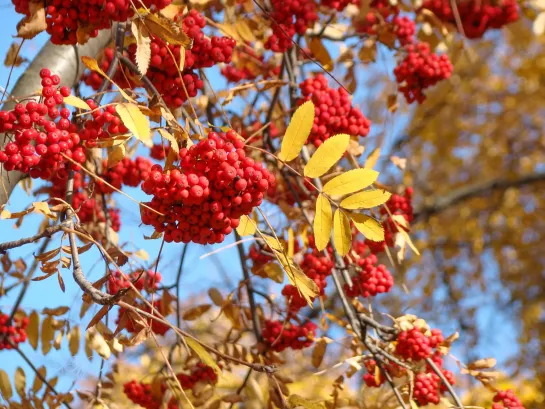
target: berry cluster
<point>477,16</point>
<point>334,112</point>
<point>506,400</point>
<point>415,344</point>
<point>280,335</point>
<point>73,22</point>
<point>338,5</point>
<point>132,325</point>
<point>159,151</point>
<point>370,279</point>
<point>203,200</point>
<point>289,17</point>
<point>248,65</point>
<point>12,333</point>
<point>163,71</point>
<point>103,124</point>
<point>37,141</point>
<point>420,69</point>
<point>142,281</point>
<point>127,172</point>
<point>141,394</point>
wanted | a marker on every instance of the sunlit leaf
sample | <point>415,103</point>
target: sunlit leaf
<point>37,384</point>
<point>246,227</point>
<point>135,121</point>
<point>368,226</point>
<point>195,312</point>
<point>143,45</point>
<point>351,181</point>
<point>327,155</point>
<point>33,329</point>
<point>297,132</point>
<point>74,340</point>
<point>203,354</point>
<point>115,155</point>
<point>342,235</point>
<point>5,385</point>
<point>323,221</point>
<point>295,401</point>
<point>76,102</point>
<point>274,272</point>
<point>366,199</point>
<point>20,382</point>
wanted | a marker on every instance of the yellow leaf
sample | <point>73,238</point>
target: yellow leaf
<point>351,181</point>
<point>320,53</point>
<point>372,159</point>
<point>322,222</point>
<point>37,384</point>
<point>99,345</point>
<point>33,330</point>
<point>43,207</point>
<point>74,340</point>
<point>297,132</point>
<point>272,242</point>
<point>368,226</point>
<point>167,30</point>
<point>274,272</point>
<point>135,121</point>
<point>291,242</point>
<point>203,354</point>
<point>92,64</point>
<point>169,137</point>
<point>327,155</point>
<point>20,381</point>
<point>296,400</point>
<point>143,45</point>
<point>76,102</point>
<point>115,155</point>
<point>195,312</point>
<point>408,241</point>
<point>298,278</point>
<point>5,385</point>
<point>33,24</point>
<point>246,226</point>
<point>366,199</point>
<point>318,352</point>
<point>342,236</point>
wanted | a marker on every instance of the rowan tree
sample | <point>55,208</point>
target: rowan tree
<point>240,126</point>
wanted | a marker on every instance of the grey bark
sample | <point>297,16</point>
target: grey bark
<point>63,60</point>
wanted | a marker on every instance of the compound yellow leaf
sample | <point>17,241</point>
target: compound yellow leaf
<point>297,132</point>
<point>323,221</point>
<point>135,121</point>
<point>203,354</point>
<point>167,30</point>
<point>351,181</point>
<point>76,102</point>
<point>342,235</point>
<point>246,226</point>
<point>327,155</point>
<point>366,199</point>
<point>368,226</point>
<point>299,279</point>
<point>5,385</point>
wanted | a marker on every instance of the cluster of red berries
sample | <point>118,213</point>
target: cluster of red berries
<point>420,69</point>
<point>73,22</point>
<point>127,172</point>
<point>374,376</point>
<point>334,112</point>
<point>37,143</point>
<point>383,18</point>
<point>159,151</point>
<point>157,327</point>
<point>199,373</point>
<point>203,200</point>
<point>338,5</point>
<point>370,279</point>
<point>506,400</point>
<point>289,17</point>
<point>164,72</point>
<point>398,205</point>
<point>249,65</point>
<point>142,281</point>
<point>12,333</point>
<point>279,335</point>
<point>103,124</point>
<point>477,16</point>
<point>140,393</point>
<point>415,344</point>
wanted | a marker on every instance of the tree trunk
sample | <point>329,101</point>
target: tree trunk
<point>63,60</point>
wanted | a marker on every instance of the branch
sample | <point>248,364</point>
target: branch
<point>21,242</point>
<point>63,61</point>
<point>467,192</point>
